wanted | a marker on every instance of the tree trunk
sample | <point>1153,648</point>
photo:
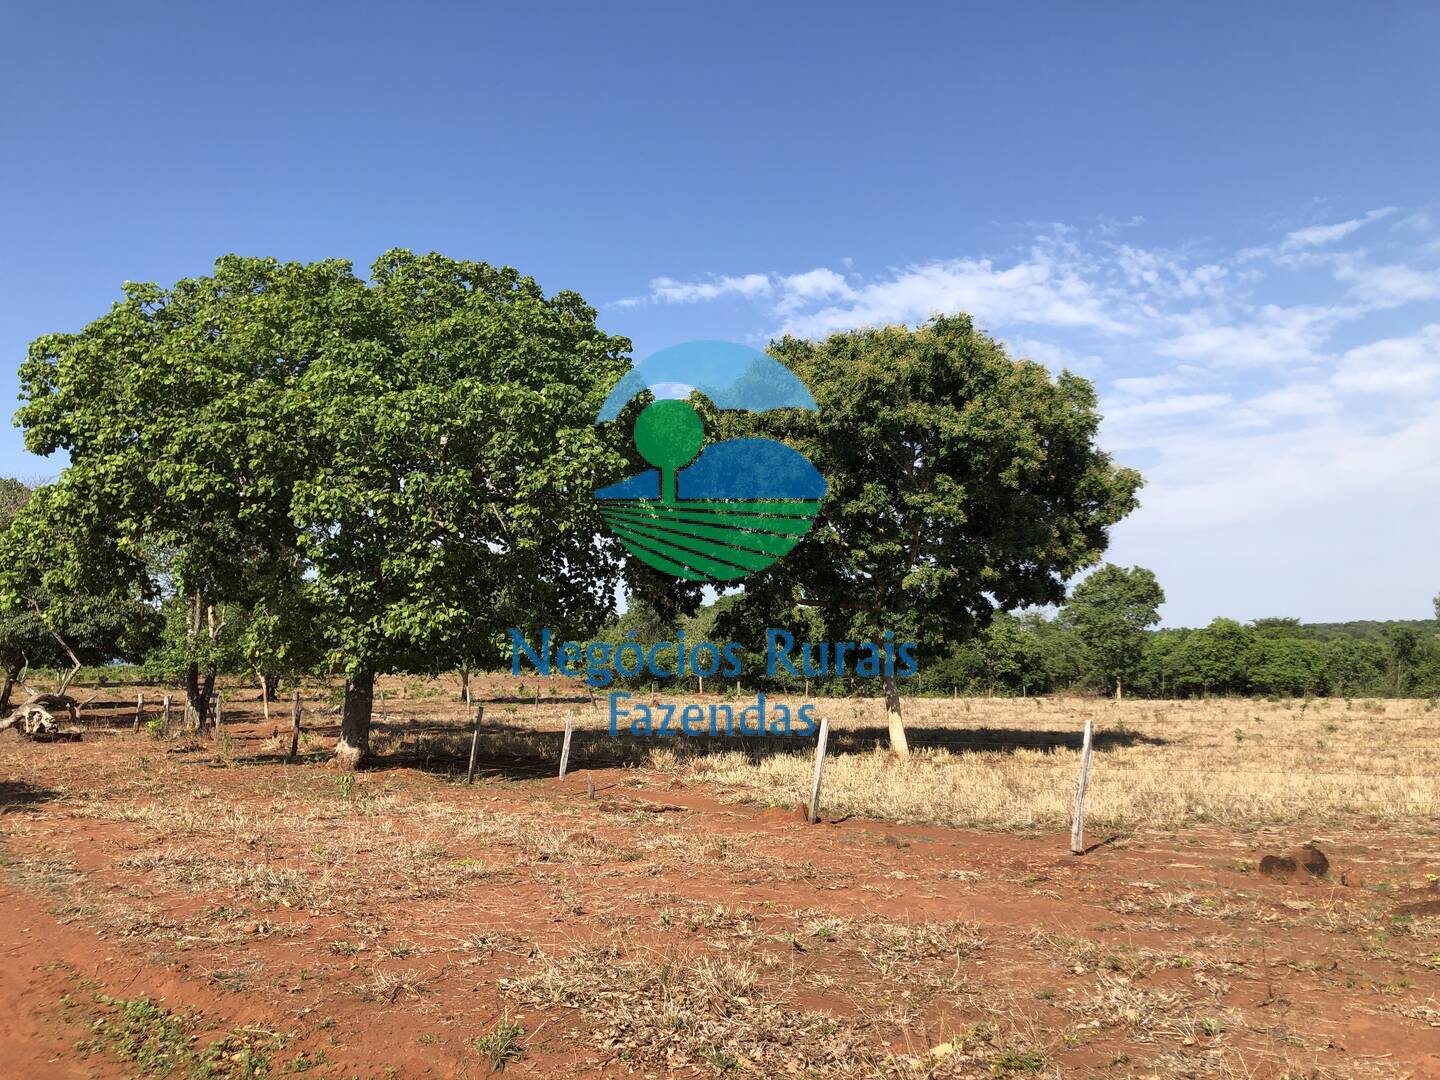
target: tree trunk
<point>197,696</point>
<point>892,712</point>
<point>352,751</point>
<point>10,672</point>
<point>270,686</point>
<point>465,685</point>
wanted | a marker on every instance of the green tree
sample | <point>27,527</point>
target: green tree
<point>1110,611</point>
<point>1214,657</point>
<point>1405,648</point>
<point>66,591</point>
<point>961,481</point>
<point>183,437</point>
<point>419,445</point>
<point>451,459</point>
<point>1165,669</point>
<point>1287,664</point>
<point>1010,655</point>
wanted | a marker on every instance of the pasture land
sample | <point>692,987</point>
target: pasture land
<point>199,906</point>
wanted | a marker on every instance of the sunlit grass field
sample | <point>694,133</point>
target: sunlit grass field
<point>1012,763</point>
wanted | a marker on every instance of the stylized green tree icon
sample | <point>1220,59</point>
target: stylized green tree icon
<point>668,434</point>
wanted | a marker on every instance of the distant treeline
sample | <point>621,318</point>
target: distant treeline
<point>1034,654</point>
<point>1031,653</point>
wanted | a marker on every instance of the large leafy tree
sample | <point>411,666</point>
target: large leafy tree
<point>416,450</point>
<point>182,439</point>
<point>961,482</point>
<point>1110,611</point>
<point>453,459</point>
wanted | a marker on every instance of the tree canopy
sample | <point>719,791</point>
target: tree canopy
<point>961,482</point>
<point>1110,611</point>
<point>415,451</point>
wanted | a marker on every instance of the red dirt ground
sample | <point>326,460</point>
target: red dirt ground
<point>365,928</point>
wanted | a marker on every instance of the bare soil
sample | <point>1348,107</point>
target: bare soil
<point>185,905</point>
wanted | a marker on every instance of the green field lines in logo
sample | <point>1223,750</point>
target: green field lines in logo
<point>709,540</point>
<point>719,512</point>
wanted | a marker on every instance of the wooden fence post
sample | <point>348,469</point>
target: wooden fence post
<point>139,709</point>
<point>219,714</point>
<point>565,747</point>
<point>165,706</point>
<point>295,728</point>
<point>1077,823</point>
<point>813,810</point>
<point>475,744</point>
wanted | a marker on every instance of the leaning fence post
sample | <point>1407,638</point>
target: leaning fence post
<point>295,728</point>
<point>565,747</point>
<point>139,709</point>
<point>813,811</point>
<point>1077,824</point>
<point>475,744</point>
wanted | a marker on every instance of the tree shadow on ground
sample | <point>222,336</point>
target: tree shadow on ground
<point>18,796</point>
<point>516,752</point>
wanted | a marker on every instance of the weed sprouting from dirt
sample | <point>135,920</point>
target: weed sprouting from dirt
<point>159,1042</point>
<point>501,1046</point>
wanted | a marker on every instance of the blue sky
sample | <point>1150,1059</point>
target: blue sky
<point>1228,217</point>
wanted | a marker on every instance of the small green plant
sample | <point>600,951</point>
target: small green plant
<point>140,1032</point>
<point>1010,1062</point>
<point>156,727</point>
<point>345,785</point>
<point>1211,1026</point>
<point>502,1045</point>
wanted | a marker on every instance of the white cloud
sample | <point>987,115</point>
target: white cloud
<point>1144,385</point>
<point>1038,290</point>
<point>1173,405</point>
<point>1388,285</point>
<point>1055,357</point>
<point>1046,287</point>
<point>669,291</point>
<point>1272,335</point>
<point>1393,365</point>
<point>815,285</point>
<point>1318,235</point>
<point>1282,399</point>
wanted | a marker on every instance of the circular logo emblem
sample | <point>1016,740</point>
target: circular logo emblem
<point>720,511</point>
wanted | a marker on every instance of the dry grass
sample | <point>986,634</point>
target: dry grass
<point>728,1014</point>
<point>1011,764</point>
<point>719,941</point>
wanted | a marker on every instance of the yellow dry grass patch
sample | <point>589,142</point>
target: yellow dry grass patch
<point>1011,764</point>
